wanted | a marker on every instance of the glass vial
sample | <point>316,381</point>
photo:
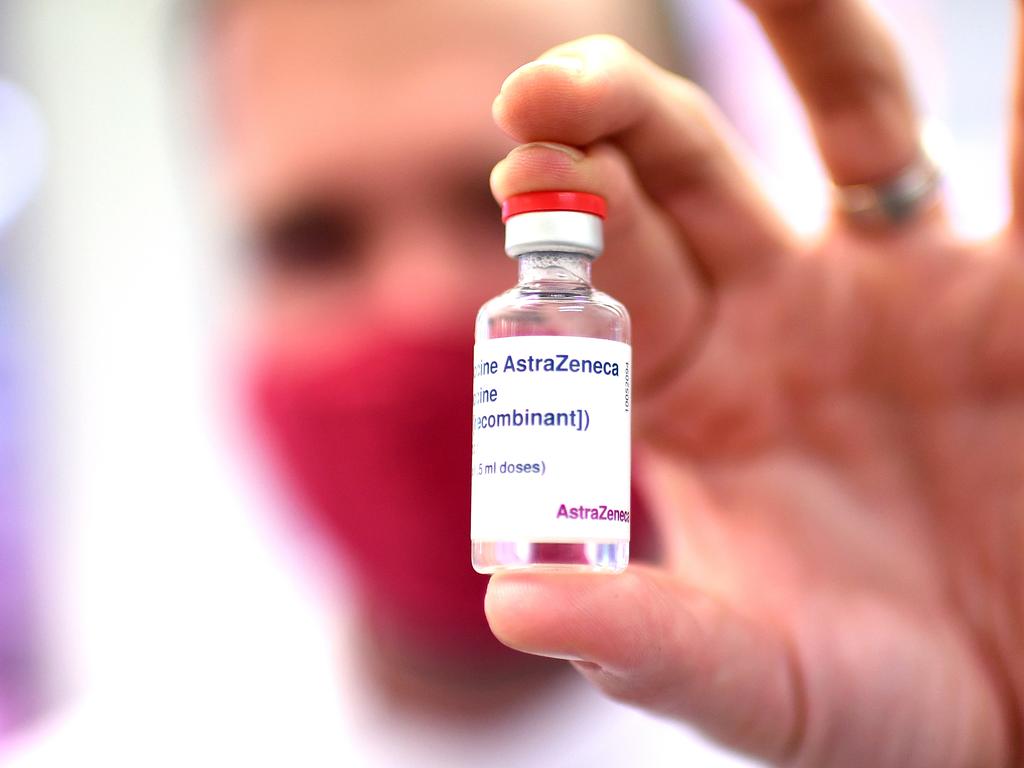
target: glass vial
<point>551,400</point>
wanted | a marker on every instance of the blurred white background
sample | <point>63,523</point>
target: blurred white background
<point>161,584</point>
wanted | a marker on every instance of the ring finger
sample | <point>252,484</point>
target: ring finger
<point>847,70</point>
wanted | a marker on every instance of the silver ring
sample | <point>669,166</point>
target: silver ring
<point>895,201</point>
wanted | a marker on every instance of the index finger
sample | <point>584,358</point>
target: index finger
<point>684,155</point>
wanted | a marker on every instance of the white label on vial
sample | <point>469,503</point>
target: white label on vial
<point>551,448</point>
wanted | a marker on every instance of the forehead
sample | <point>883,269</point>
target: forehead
<point>373,88</point>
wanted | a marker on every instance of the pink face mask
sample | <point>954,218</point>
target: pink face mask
<point>376,441</point>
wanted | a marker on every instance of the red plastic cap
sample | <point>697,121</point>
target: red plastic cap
<point>531,202</point>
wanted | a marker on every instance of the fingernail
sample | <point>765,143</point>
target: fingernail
<point>565,149</point>
<point>569,63</point>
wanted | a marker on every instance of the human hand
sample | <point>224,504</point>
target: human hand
<point>831,433</point>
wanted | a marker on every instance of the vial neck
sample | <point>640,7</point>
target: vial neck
<point>562,267</point>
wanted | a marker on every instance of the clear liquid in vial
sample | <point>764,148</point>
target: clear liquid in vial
<point>554,297</point>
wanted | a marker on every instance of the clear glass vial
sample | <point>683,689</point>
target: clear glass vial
<point>555,236</point>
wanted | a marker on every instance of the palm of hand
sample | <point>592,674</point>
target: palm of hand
<point>842,451</point>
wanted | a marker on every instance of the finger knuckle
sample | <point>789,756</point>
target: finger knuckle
<point>610,45</point>
<point>700,139</point>
<point>601,46</point>
<point>689,94</point>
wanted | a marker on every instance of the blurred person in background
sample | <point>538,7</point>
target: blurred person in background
<point>355,141</point>
<point>833,430</point>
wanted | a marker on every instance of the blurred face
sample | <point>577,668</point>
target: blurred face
<point>356,142</point>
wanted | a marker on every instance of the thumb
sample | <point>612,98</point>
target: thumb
<point>648,640</point>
